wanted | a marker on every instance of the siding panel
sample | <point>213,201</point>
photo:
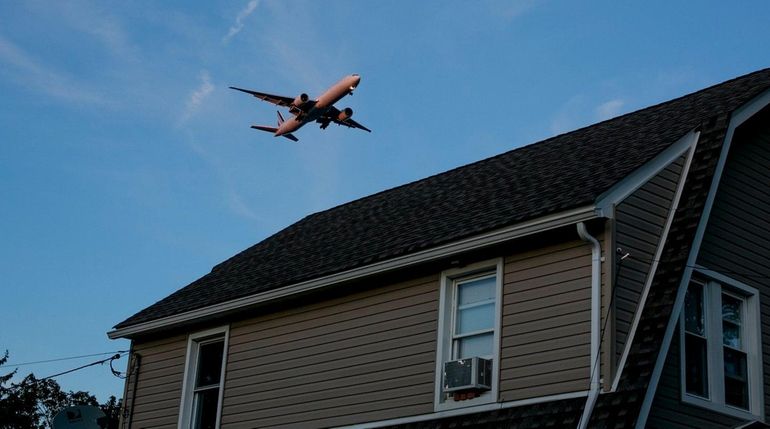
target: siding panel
<point>545,343</point>
<point>640,220</point>
<point>159,385</point>
<point>368,357</point>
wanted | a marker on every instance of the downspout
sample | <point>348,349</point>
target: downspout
<point>596,295</point>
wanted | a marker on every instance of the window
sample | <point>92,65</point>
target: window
<point>721,365</point>
<point>469,326</point>
<point>204,379</point>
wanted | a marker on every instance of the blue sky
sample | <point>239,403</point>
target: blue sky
<point>128,169</point>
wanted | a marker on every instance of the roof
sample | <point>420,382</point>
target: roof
<point>561,173</point>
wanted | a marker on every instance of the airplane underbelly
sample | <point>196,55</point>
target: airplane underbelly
<point>314,114</point>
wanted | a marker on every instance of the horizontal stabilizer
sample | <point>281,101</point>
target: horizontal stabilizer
<point>264,128</point>
<point>273,130</point>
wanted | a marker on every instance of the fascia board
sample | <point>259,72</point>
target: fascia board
<point>519,230</point>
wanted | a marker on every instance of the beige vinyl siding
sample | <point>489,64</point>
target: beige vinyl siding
<point>159,384</point>
<point>668,411</point>
<point>545,341</point>
<point>737,238</point>
<point>363,357</point>
<point>640,220</point>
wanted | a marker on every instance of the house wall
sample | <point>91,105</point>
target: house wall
<point>370,355</point>
<point>639,223</point>
<point>159,382</point>
<point>546,328</point>
<point>737,238</point>
<point>366,356</point>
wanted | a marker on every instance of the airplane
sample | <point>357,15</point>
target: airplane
<point>305,110</point>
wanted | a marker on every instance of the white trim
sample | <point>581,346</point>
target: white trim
<point>739,116</point>
<point>605,203</point>
<point>190,367</point>
<point>713,290</point>
<point>464,411</point>
<point>655,262</point>
<point>519,230</point>
<point>444,335</point>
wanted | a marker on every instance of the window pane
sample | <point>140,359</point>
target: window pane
<point>476,291</point>
<point>693,309</point>
<point>477,345</point>
<point>696,366</point>
<point>736,382</point>
<point>209,364</point>
<point>205,409</point>
<point>731,309</point>
<point>475,318</point>
<point>731,335</point>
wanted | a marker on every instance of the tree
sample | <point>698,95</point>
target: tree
<point>33,403</point>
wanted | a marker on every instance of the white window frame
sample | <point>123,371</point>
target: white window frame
<point>191,369</point>
<point>714,285</point>
<point>445,331</point>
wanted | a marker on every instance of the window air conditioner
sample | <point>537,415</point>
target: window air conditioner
<point>468,374</point>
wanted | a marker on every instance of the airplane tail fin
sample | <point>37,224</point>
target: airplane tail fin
<point>280,117</point>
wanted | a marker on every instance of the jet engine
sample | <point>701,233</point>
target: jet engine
<point>300,100</point>
<point>345,114</point>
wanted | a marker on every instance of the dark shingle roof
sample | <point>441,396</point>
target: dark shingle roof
<point>557,174</point>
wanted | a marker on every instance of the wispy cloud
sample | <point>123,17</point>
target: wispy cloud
<point>238,24</point>
<point>609,109</point>
<point>568,116</point>
<point>197,97</point>
<point>30,72</point>
<point>238,206</point>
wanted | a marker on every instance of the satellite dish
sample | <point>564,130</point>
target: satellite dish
<point>80,417</point>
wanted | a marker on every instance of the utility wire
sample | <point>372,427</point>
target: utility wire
<point>63,358</point>
<point>99,362</point>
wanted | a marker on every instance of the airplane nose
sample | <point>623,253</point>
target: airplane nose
<point>356,79</point>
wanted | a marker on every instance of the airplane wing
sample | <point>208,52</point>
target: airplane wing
<point>278,100</point>
<point>332,115</point>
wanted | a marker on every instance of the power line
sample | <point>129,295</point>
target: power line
<point>110,359</point>
<point>64,358</point>
<point>99,362</point>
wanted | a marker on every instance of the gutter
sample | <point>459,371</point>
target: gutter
<point>515,231</point>
<point>596,294</point>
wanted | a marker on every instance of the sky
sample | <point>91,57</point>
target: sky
<point>128,168</point>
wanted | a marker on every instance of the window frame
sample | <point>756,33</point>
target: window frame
<point>714,286</point>
<point>194,342</point>
<point>446,323</point>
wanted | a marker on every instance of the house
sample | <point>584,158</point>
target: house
<point>615,276</point>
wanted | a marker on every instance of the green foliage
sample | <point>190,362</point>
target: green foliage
<point>33,403</point>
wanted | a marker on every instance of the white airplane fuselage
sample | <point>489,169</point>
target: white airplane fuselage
<point>321,106</point>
